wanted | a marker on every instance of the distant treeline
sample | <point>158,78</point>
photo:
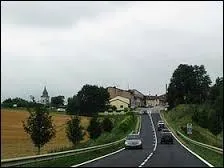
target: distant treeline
<point>18,101</point>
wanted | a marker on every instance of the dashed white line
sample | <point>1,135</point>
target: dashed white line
<point>154,141</point>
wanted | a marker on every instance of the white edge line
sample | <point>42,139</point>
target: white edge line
<point>155,137</point>
<point>89,161</point>
<point>199,157</point>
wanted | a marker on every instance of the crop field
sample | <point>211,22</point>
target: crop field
<point>16,143</point>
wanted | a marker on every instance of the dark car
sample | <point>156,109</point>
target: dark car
<point>160,125</point>
<point>145,112</point>
<point>133,141</point>
<point>166,137</point>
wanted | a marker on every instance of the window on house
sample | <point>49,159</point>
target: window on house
<point>121,106</point>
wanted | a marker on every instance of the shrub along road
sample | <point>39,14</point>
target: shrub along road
<point>164,155</point>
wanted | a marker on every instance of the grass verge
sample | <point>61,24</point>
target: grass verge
<point>214,158</point>
<point>76,158</point>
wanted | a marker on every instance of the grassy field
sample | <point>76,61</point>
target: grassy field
<point>181,115</point>
<point>76,159</point>
<point>16,143</point>
<point>178,118</point>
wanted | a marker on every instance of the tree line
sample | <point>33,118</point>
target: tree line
<point>90,100</point>
<point>190,84</point>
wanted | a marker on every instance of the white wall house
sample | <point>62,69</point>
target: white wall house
<point>120,102</point>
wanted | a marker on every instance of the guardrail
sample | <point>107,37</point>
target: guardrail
<point>218,150</point>
<point>31,159</point>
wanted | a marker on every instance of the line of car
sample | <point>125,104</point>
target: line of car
<point>166,135</point>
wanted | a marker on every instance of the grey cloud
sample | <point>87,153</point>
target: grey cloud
<point>54,14</point>
<point>106,45</point>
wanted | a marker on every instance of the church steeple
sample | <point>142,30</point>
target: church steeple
<point>45,97</point>
<point>45,93</point>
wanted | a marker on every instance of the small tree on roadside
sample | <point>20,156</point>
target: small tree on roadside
<point>114,108</point>
<point>39,126</point>
<point>74,130</point>
<point>107,124</point>
<point>94,128</point>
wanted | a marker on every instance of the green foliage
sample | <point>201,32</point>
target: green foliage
<point>189,84</point>
<point>57,101</point>
<point>94,128</point>
<point>215,123</point>
<point>74,131</point>
<point>125,124</point>
<point>125,109</point>
<point>39,126</point>
<point>200,115</point>
<point>20,103</point>
<point>107,125</point>
<point>114,108</point>
<point>73,106</point>
<point>92,99</point>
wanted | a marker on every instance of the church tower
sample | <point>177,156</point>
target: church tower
<point>45,97</point>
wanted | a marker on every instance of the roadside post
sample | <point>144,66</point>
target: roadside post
<point>189,128</point>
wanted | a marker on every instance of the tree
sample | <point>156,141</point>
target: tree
<point>39,126</point>
<point>19,101</point>
<point>114,108</point>
<point>57,101</point>
<point>74,130</point>
<point>92,99</point>
<point>73,106</point>
<point>189,84</point>
<point>94,128</point>
<point>107,124</point>
<point>216,102</point>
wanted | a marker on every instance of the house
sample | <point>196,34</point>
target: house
<point>163,99</point>
<point>155,100</point>
<point>152,101</point>
<point>120,102</point>
<point>136,98</point>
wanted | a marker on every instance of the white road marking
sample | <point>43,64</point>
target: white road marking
<point>154,141</point>
<point>199,157</point>
<point>89,161</point>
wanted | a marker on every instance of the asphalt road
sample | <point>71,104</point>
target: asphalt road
<point>174,155</point>
<point>165,155</point>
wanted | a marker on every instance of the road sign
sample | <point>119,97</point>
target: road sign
<point>189,128</point>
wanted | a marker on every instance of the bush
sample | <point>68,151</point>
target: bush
<point>94,128</point>
<point>110,110</point>
<point>107,125</point>
<point>114,108</point>
<point>125,124</point>
<point>74,131</point>
<point>125,109</point>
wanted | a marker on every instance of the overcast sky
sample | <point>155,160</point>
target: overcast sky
<point>65,45</point>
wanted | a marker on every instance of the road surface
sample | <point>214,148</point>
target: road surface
<point>173,155</point>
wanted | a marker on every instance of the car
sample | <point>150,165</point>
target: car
<point>166,137</point>
<point>133,141</point>
<point>160,125</point>
<point>145,112</point>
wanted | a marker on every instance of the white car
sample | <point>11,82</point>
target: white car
<point>133,141</point>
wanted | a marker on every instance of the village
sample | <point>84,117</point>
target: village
<point>120,98</point>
